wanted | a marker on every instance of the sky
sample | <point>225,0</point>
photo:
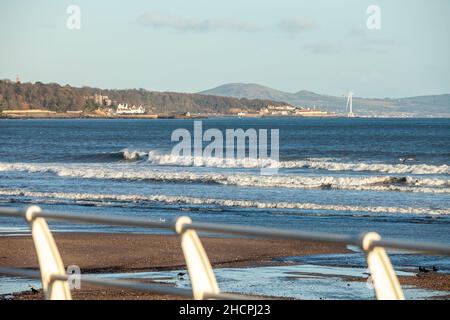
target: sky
<point>323,46</point>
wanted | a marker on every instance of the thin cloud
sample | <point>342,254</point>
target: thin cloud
<point>321,48</point>
<point>160,21</point>
<point>374,40</point>
<point>296,25</point>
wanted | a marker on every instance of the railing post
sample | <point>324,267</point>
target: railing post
<point>197,262</point>
<point>49,259</point>
<point>384,279</point>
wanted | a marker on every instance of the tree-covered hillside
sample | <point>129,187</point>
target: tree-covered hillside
<point>63,98</point>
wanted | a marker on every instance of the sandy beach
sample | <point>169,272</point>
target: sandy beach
<point>96,253</point>
<point>101,253</point>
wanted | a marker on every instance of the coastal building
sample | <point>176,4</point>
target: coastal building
<point>288,110</point>
<point>102,100</point>
<point>280,108</point>
<point>248,115</point>
<point>107,102</point>
<point>311,113</point>
<point>125,109</point>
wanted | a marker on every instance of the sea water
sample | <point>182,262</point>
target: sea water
<point>335,175</point>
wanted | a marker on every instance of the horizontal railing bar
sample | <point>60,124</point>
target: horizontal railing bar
<point>260,232</point>
<point>123,284</point>
<point>272,233</point>
<point>12,212</point>
<point>417,247</point>
<point>208,227</point>
<point>111,220</point>
<point>317,237</point>
<point>93,219</point>
<point>153,288</point>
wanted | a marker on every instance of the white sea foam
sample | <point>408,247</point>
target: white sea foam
<point>158,158</point>
<point>184,200</point>
<point>121,172</point>
<point>132,155</point>
<point>328,164</point>
<point>370,167</point>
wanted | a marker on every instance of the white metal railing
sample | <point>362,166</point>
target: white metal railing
<point>204,285</point>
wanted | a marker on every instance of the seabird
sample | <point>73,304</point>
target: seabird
<point>34,290</point>
<point>407,158</point>
<point>423,269</point>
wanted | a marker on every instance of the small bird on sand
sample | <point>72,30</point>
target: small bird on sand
<point>423,269</point>
<point>33,290</point>
<point>435,269</point>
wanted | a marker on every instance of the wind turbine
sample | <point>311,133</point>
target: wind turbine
<point>349,105</point>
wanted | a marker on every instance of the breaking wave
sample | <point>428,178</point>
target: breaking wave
<point>317,164</point>
<point>158,158</point>
<point>327,164</point>
<point>370,167</point>
<point>185,200</point>
<point>105,157</point>
<point>133,155</point>
<point>121,172</point>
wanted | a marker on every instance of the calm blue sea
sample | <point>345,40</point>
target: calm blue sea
<point>336,175</point>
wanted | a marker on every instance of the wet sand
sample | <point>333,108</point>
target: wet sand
<point>105,253</point>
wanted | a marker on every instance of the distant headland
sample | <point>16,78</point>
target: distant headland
<point>52,100</point>
<point>39,100</point>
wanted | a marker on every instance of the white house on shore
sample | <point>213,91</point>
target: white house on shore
<point>125,109</point>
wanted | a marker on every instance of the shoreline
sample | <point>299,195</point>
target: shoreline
<point>212,116</point>
<point>128,253</point>
<point>96,117</point>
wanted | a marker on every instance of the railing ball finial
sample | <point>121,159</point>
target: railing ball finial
<point>180,222</point>
<point>30,213</point>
